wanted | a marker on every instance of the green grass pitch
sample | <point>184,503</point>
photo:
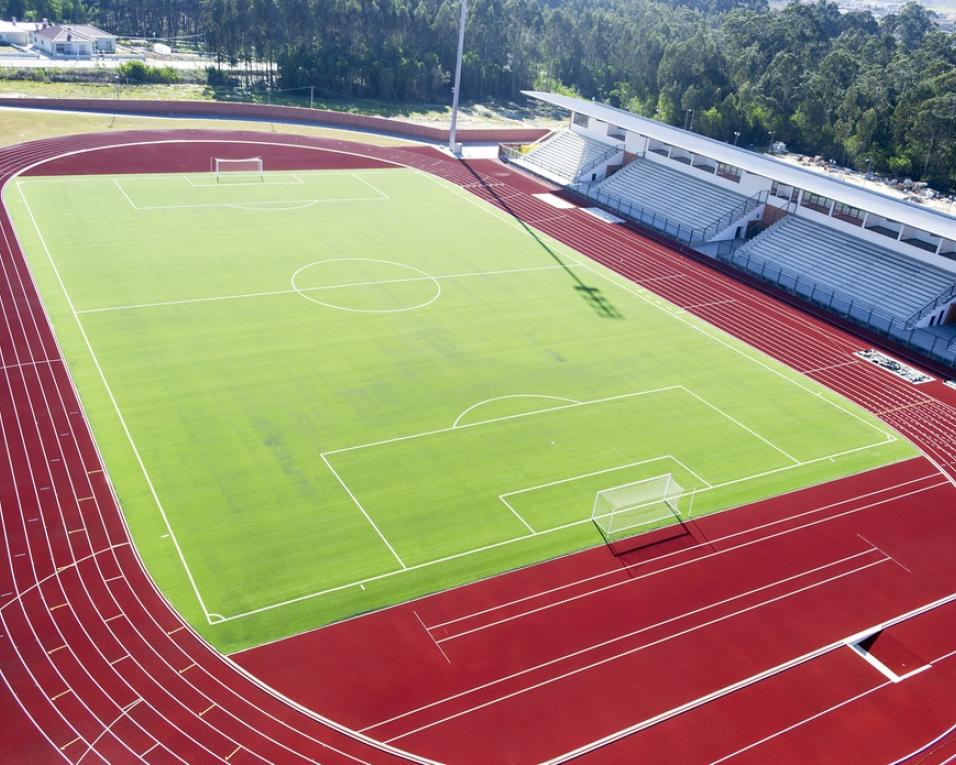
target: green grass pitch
<point>331,391</point>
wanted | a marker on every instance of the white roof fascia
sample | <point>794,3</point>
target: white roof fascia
<point>934,222</point>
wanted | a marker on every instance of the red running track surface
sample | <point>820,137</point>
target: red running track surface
<point>96,659</point>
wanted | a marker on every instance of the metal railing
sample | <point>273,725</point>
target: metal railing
<point>860,312</point>
<point>603,157</point>
<point>944,297</point>
<point>682,233</point>
<point>556,170</point>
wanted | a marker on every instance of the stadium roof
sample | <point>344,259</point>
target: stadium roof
<point>935,222</point>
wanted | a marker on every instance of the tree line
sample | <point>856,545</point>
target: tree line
<point>865,92</point>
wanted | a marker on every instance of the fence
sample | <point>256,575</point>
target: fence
<point>525,157</point>
<point>680,232</point>
<point>935,347</point>
<point>292,114</point>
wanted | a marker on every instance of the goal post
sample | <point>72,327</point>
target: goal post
<point>225,170</point>
<point>625,511</point>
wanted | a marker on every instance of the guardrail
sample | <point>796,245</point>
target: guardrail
<point>846,306</point>
<point>680,232</point>
<point>526,157</point>
<point>943,297</point>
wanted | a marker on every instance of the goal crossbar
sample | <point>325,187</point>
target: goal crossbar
<point>632,508</point>
<point>222,167</point>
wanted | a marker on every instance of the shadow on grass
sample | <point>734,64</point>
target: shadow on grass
<point>592,295</point>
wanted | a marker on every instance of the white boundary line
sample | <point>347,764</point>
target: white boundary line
<point>368,518</point>
<point>513,395</point>
<point>681,564</point>
<point>271,293</point>
<point>628,652</point>
<point>697,324</point>
<point>289,203</point>
<point>269,173</point>
<point>502,217</point>
<point>119,414</point>
<point>740,684</point>
<point>880,667</point>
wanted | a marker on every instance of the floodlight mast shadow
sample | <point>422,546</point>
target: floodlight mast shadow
<point>455,93</point>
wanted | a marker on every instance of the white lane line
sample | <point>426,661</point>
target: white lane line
<point>643,646</point>
<point>431,637</point>
<point>631,729</point>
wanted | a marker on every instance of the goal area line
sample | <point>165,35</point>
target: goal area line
<point>524,537</point>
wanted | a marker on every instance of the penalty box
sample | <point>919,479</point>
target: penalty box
<point>170,192</point>
<point>452,490</point>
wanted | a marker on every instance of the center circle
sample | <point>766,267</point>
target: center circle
<point>366,285</point>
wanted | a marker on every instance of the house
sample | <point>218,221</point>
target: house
<point>79,40</point>
<point>17,32</point>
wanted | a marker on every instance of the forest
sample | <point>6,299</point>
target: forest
<point>865,92</point>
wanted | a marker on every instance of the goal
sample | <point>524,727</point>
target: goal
<point>246,169</point>
<point>633,508</point>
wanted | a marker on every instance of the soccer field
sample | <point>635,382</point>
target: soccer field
<point>323,392</point>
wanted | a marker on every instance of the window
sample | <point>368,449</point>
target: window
<point>777,189</point>
<point>816,202</point>
<point>581,120</point>
<point>729,172</point>
<point>848,214</point>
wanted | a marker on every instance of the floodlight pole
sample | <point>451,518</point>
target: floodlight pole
<point>455,93</point>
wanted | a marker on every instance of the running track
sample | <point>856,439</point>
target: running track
<point>95,658</point>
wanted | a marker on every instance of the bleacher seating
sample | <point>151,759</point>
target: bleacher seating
<point>565,154</point>
<point>681,196</point>
<point>879,277</point>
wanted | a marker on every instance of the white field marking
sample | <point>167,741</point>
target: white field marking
<point>607,470</point>
<point>372,186</point>
<point>272,206</point>
<point>368,518</point>
<point>880,667</point>
<point>290,204</point>
<point>698,325</point>
<point>515,416</point>
<point>296,182</point>
<point>422,276</point>
<point>739,424</point>
<point>831,366</point>
<point>22,364</point>
<point>801,723</point>
<point>236,667</point>
<point>517,515</point>
<point>112,397</point>
<point>740,684</point>
<point>60,570</point>
<point>271,293</point>
<point>513,395</point>
<point>431,637</point>
<point>640,577</point>
<point>608,660</point>
<point>523,537</point>
<point>892,558</point>
<point>914,405</point>
<point>707,305</point>
<point>706,556</point>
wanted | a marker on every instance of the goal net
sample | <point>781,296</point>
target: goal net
<point>628,510</point>
<point>236,169</point>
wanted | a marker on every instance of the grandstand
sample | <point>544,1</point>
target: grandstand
<point>882,262</point>
<point>866,273</point>
<point>566,156</point>
<point>679,197</point>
